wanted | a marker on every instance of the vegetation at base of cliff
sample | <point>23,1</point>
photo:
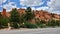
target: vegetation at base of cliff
<point>17,20</point>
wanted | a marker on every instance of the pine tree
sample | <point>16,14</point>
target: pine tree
<point>29,14</point>
<point>15,18</point>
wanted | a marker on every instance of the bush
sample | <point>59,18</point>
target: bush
<point>41,24</point>
<point>29,25</point>
<point>57,22</point>
<point>53,23</point>
<point>15,25</point>
<point>4,22</point>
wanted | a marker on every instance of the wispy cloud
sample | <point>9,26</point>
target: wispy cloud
<point>31,2</point>
<point>43,8</point>
<point>9,6</point>
<point>2,1</point>
<point>54,6</point>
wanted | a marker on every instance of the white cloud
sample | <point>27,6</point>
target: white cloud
<point>2,1</point>
<point>57,12</point>
<point>23,7</point>
<point>31,2</point>
<point>33,8</point>
<point>40,8</point>
<point>0,5</point>
<point>54,6</point>
<point>43,8</point>
<point>9,6</point>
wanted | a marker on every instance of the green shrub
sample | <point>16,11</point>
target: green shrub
<point>57,22</point>
<point>53,23</point>
<point>29,25</point>
<point>15,25</point>
<point>4,22</point>
<point>41,24</point>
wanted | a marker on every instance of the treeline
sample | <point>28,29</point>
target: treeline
<point>17,20</point>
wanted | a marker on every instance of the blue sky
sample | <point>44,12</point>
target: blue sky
<point>49,5</point>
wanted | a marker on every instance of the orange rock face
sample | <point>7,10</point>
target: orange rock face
<point>41,14</point>
<point>4,12</point>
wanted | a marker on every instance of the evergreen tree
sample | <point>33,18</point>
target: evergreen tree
<point>15,18</point>
<point>29,14</point>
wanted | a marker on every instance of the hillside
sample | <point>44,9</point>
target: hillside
<point>39,14</point>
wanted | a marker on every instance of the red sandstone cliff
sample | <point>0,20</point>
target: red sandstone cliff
<point>43,15</point>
